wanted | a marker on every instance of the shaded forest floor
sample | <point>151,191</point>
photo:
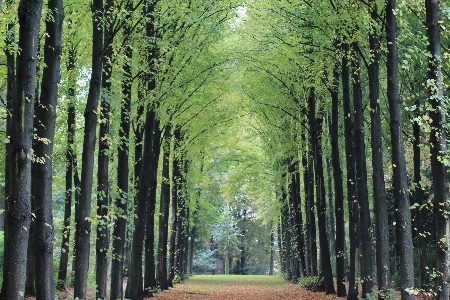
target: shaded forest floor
<point>243,287</point>
<point>232,287</point>
<point>238,287</point>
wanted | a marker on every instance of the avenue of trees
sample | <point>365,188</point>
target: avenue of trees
<point>304,136</point>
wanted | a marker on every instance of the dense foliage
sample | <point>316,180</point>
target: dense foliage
<point>152,139</point>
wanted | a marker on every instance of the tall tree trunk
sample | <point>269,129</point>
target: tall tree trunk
<point>103,198</point>
<point>294,220</point>
<point>10,80</point>
<point>379,188</point>
<point>315,128</point>
<point>30,284</point>
<point>180,246</point>
<point>331,224</point>
<point>43,180</point>
<point>307,215</point>
<point>70,161</point>
<point>77,186</point>
<point>176,207</point>
<point>83,225</point>
<point>134,288</point>
<point>401,193</point>
<point>438,148</point>
<point>164,204</point>
<point>310,213</point>
<point>284,249</point>
<point>338,188</point>
<point>150,269</point>
<point>18,214</point>
<point>420,214</point>
<point>121,203</point>
<point>272,254</point>
<point>138,133</point>
<point>351,175</point>
<point>154,148</point>
<point>361,178</point>
<point>299,216</point>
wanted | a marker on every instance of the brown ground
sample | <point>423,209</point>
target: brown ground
<point>237,288</point>
<point>232,287</point>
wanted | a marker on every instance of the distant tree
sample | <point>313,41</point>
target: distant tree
<point>226,235</point>
<point>204,261</point>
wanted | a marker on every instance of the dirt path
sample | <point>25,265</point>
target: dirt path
<point>227,287</point>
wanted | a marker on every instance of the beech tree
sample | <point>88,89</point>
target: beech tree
<point>46,116</point>
<point>83,223</point>
<point>438,147</point>
<point>398,157</point>
<point>18,209</point>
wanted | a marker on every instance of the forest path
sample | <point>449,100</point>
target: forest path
<point>238,287</point>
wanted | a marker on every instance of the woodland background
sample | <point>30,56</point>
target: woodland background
<point>144,138</point>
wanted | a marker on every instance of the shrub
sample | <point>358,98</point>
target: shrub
<point>311,283</point>
<point>375,295</point>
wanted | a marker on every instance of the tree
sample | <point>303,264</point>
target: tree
<point>43,176</point>
<point>121,203</point>
<point>226,235</point>
<point>351,174</point>
<point>103,193</point>
<point>315,128</point>
<point>401,193</point>
<point>18,213</point>
<point>338,188</point>
<point>438,148</point>
<point>70,169</point>
<point>379,187</point>
<point>83,223</point>
<point>164,208</point>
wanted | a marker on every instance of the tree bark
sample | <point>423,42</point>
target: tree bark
<point>150,269</point>
<point>420,214</point>
<point>70,162</point>
<point>10,80</point>
<point>310,211</point>
<point>181,229</point>
<point>401,193</point>
<point>361,178</point>
<point>293,216</point>
<point>299,216</point>
<point>83,224</point>
<point>121,203</point>
<point>379,188</point>
<point>331,224</point>
<point>46,115</point>
<point>164,204</point>
<point>351,175</point>
<point>103,198</point>
<point>18,214</point>
<point>134,288</point>
<point>315,128</point>
<point>307,215</point>
<point>438,148</point>
<point>30,284</point>
<point>338,188</point>
<point>175,232</point>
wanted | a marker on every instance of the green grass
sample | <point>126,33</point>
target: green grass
<point>236,279</point>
